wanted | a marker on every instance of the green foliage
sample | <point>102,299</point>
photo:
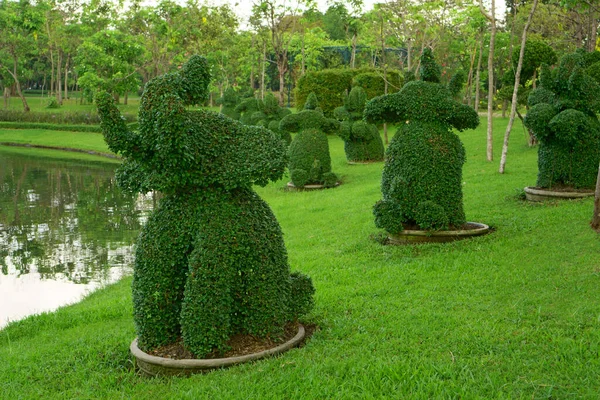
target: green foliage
<point>311,102</point>
<point>430,71</point>
<point>456,83</point>
<point>311,117</point>
<point>62,118</point>
<point>374,84</point>
<point>332,85</point>
<point>362,142</point>
<point>310,161</point>
<point>422,176</point>
<point>536,53</point>
<point>52,127</point>
<point>229,101</point>
<point>563,118</point>
<point>246,108</point>
<point>52,103</point>
<point>210,262</point>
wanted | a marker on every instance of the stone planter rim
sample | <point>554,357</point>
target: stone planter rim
<point>552,194</point>
<point>422,236</point>
<point>290,185</point>
<point>187,366</point>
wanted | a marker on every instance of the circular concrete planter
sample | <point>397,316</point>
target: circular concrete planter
<point>159,366</point>
<point>538,194</point>
<point>408,236</point>
<point>291,186</point>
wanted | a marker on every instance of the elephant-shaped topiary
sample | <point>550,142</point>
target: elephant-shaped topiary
<point>229,102</point>
<point>362,142</point>
<point>210,262</point>
<point>422,175</point>
<point>563,118</point>
<point>310,162</point>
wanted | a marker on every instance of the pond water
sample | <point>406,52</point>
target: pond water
<point>65,230</point>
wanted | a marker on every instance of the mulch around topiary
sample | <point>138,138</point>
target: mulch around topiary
<point>240,345</point>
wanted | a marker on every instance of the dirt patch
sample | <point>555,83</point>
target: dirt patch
<point>240,345</point>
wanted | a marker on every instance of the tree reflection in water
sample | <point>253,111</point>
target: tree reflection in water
<point>65,229</point>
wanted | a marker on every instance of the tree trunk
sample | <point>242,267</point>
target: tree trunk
<point>385,80</point>
<point>353,55</point>
<point>262,79</point>
<point>478,75</point>
<point>504,107</point>
<point>125,97</point>
<point>596,217</point>
<point>59,79</point>
<point>490,109</point>
<point>18,85</point>
<point>51,73</point>
<point>6,97</point>
<point>66,96</point>
<point>513,108</point>
<point>469,89</point>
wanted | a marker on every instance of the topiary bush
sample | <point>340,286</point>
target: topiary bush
<point>310,162</point>
<point>362,142</point>
<point>422,176</point>
<point>563,118</point>
<point>246,108</point>
<point>210,262</point>
<point>229,102</point>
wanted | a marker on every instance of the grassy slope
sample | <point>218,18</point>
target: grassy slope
<point>512,314</point>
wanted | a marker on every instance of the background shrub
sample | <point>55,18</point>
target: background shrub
<point>229,102</point>
<point>362,141</point>
<point>563,118</point>
<point>310,161</point>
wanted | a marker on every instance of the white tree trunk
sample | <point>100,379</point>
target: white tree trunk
<point>513,108</point>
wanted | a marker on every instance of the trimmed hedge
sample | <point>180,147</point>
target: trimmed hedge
<point>374,84</point>
<point>422,177</point>
<point>67,117</point>
<point>210,262</point>
<point>52,127</point>
<point>332,85</point>
<point>563,118</point>
<point>362,141</point>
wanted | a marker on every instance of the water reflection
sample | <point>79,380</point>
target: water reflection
<point>65,229</point>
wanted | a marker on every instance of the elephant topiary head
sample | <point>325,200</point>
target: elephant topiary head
<point>176,148</point>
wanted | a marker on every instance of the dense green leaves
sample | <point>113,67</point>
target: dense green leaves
<point>211,261</point>
<point>563,117</point>
<point>362,142</point>
<point>310,160</point>
<point>421,182</point>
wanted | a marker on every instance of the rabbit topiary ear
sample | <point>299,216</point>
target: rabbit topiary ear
<point>195,77</point>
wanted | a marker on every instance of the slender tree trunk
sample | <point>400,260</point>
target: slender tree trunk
<point>478,75</point>
<point>469,90</point>
<point>353,55</point>
<point>126,97</point>
<point>6,97</point>
<point>513,107</point>
<point>66,96</point>
<point>13,73</point>
<point>385,80</point>
<point>596,217</point>
<point>59,79</point>
<point>490,109</point>
<point>51,73</point>
<point>262,79</point>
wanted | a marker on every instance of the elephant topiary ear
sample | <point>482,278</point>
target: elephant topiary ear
<point>195,77</point>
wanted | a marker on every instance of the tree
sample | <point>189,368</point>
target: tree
<point>20,24</point>
<point>513,108</point>
<point>109,61</point>
<point>490,113</point>
<point>281,21</point>
<point>596,216</point>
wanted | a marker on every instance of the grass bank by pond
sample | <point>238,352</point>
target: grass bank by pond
<point>512,314</point>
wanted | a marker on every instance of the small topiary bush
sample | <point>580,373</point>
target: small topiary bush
<point>246,108</point>
<point>210,262</point>
<point>310,162</point>
<point>52,103</point>
<point>362,142</point>
<point>563,118</point>
<point>229,102</point>
<point>422,176</point>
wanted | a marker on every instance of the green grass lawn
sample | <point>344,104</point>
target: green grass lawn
<point>514,314</point>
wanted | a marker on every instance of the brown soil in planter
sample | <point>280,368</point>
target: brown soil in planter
<point>240,345</point>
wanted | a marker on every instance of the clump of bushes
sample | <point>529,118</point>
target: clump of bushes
<point>310,162</point>
<point>563,118</point>
<point>422,177</point>
<point>52,103</point>
<point>228,103</point>
<point>266,113</point>
<point>67,117</point>
<point>333,85</point>
<point>362,142</point>
<point>210,262</point>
